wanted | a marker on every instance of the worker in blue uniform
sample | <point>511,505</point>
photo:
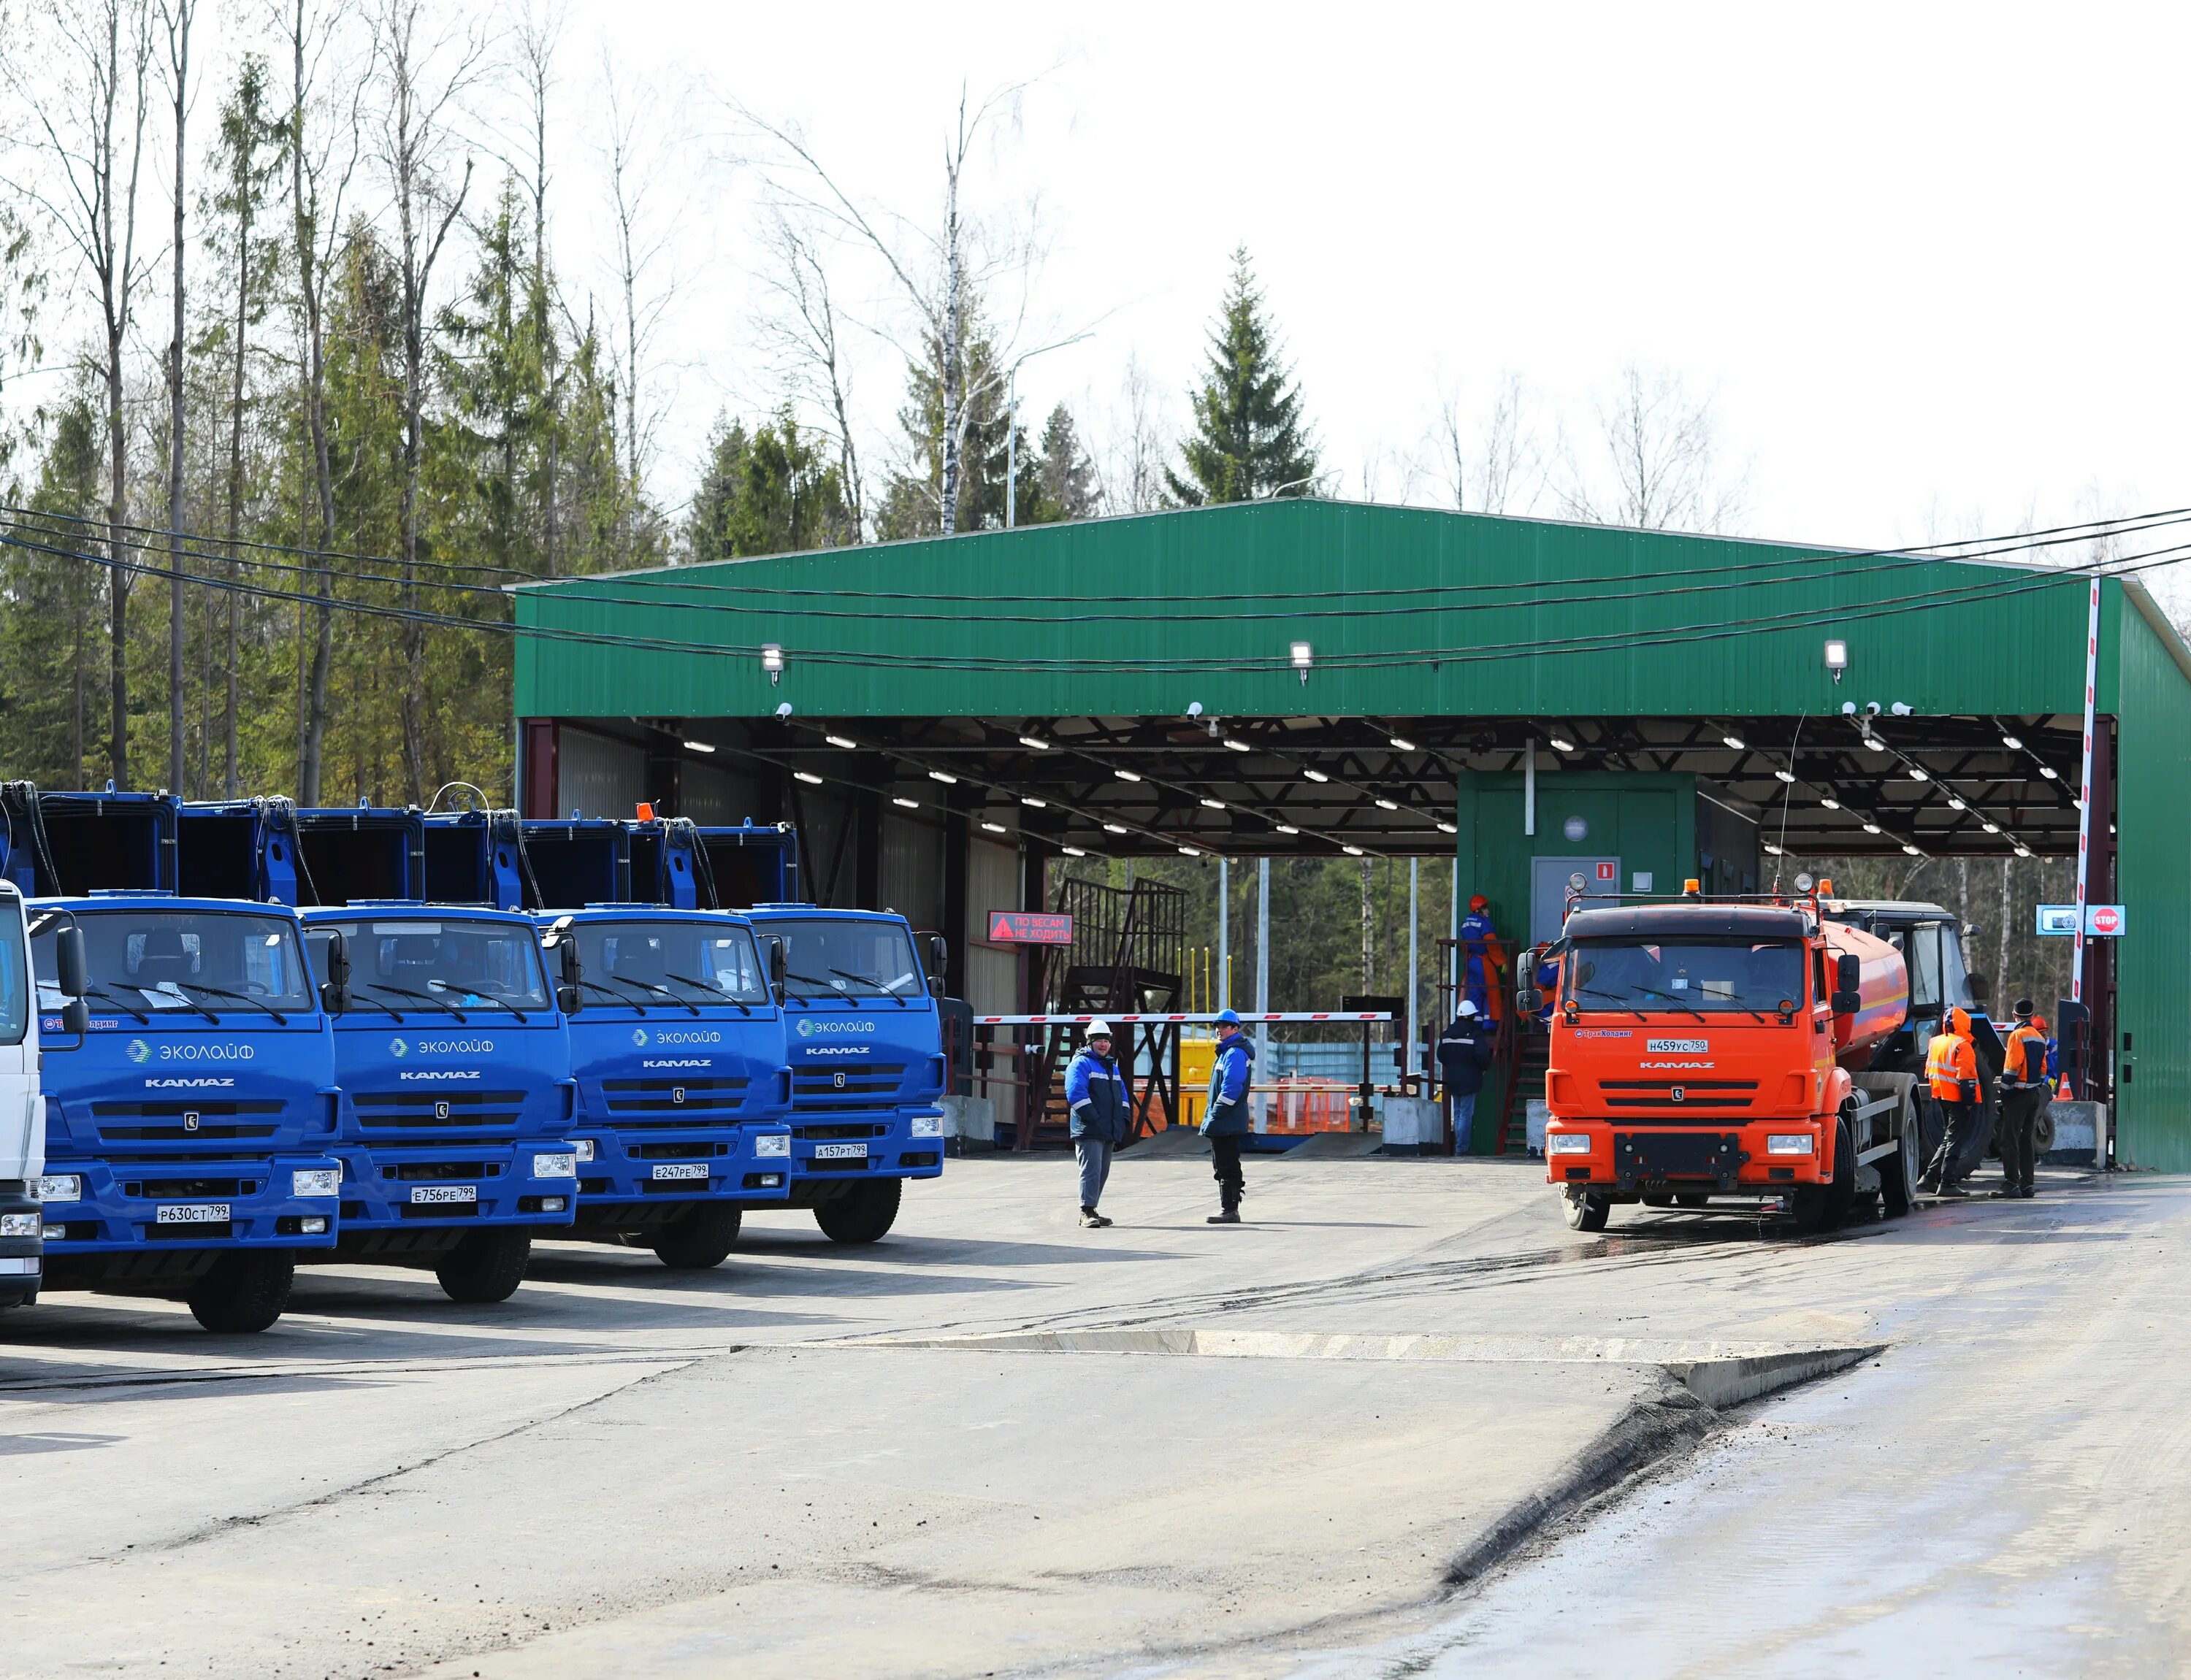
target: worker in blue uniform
<point>1100,1107</point>
<point>1225,1120</point>
<point>1482,965</point>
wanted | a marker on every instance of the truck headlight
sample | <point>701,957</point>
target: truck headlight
<point>1567,1142</point>
<point>62,1187</point>
<point>1790,1143</point>
<point>583,1149</point>
<point>772,1144</point>
<point>564,1165</point>
<point>925,1125</point>
<point>21,1224</point>
<point>316,1181</point>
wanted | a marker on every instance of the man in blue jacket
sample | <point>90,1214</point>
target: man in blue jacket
<point>1225,1121</point>
<point>1464,1051</point>
<point>1096,1093</point>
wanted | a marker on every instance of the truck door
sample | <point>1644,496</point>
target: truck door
<point>1548,890</point>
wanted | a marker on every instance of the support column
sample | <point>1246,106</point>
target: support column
<point>1415,970</point>
<point>1263,965</point>
<point>867,816</point>
<point>957,837</point>
<point>1224,934</point>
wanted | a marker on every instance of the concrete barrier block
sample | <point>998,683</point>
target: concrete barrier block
<point>2076,1133</point>
<point>971,1119</point>
<point>1539,1112</point>
<point>1413,1123</point>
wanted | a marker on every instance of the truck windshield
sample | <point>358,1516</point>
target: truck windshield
<point>847,959</point>
<point>662,960</point>
<point>199,962</point>
<point>1700,975</point>
<point>14,974</point>
<point>433,961</point>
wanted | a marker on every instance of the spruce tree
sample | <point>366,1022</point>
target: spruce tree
<point>1064,476</point>
<point>1248,440</point>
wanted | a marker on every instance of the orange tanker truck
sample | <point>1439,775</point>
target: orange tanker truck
<point>1705,1049</point>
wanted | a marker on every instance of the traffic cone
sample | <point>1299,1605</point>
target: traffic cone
<point>2066,1094</point>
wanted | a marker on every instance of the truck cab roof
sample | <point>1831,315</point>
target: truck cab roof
<point>1694,921</point>
<point>816,911</point>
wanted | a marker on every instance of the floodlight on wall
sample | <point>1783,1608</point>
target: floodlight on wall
<point>994,828</point>
<point>1315,774</point>
<point>772,660</point>
<point>699,747</point>
<point>904,803</point>
<point>1836,657</point>
<point>1034,743</point>
<point>808,777</point>
<point>1304,656</point>
<point>783,708</point>
<point>848,744</point>
<point>943,776</point>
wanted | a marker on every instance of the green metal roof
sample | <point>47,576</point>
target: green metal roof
<point>1408,611</point>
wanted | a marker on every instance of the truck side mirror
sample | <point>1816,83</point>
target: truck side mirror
<point>569,999</point>
<point>939,955</point>
<point>72,969</point>
<point>1528,1000</point>
<point>570,992</point>
<point>779,968</point>
<point>936,987</point>
<point>1848,983</point>
<point>334,990</point>
<point>76,1016</point>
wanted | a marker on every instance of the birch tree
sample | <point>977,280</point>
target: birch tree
<point>176,17</point>
<point>635,160</point>
<point>1656,466</point>
<point>82,72</point>
<point>806,333</point>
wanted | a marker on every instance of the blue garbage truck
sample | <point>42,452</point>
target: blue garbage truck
<point>453,1057</point>
<point>190,1121</point>
<point>865,1034</point>
<point>683,1090</point>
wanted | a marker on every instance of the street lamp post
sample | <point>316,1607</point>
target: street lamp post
<point>1012,424</point>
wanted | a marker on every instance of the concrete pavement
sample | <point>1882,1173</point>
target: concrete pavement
<point>996,1443</point>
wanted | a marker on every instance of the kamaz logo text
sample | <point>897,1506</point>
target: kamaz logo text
<point>679,1062</point>
<point>438,1074</point>
<point>189,1085</point>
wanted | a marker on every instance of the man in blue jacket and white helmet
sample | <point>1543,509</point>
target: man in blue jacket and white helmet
<point>1100,1102</point>
<point>1225,1121</point>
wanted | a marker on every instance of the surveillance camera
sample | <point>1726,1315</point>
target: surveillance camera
<point>1901,710</point>
<point>1848,708</point>
<point>783,708</point>
<point>1871,708</point>
<point>1194,708</point>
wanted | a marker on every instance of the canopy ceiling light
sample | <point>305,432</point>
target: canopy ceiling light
<point>1403,744</point>
<point>844,741</point>
<point>904,803</point>
<point>1039,805</point>
<point>808,777</point>
<point>1561,744</point>
<point>1238,746</point>
<point>1314,774</point>
<point>1114,828</point>
<point>699,747</point>
<point>994,827</point>
<point>1734,741</point>
<point>943,776</point>
<point>1034,743</point>
<point>1785,775</point>
<point>1126,775</point>
<point>1351,851</point>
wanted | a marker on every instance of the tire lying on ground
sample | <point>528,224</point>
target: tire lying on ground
<point>244,1292</point>
<point>485,1266</point>
<point>704,1238</point>
<point>865,1214</point>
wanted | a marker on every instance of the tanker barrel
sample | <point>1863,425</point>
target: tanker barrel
<point>1880,990</point>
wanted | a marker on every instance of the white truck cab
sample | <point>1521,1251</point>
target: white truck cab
<point>22,1110</point>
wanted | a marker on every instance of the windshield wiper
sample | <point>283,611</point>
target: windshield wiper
<point>175,990</point>
<point>95,991</point>
<point>715,995</point>
<point>664,991</point>
<point>881,990</point>
<point>499,1002</point>
<point>244,997</point>
<point>422,998</point>
<point>824,985</point>
<point>618,996</point>
<point>1686,1008</point>
<point>1613,997</point>
<point>389,1009</point>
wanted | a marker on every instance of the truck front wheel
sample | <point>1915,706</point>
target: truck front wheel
<point>864,1215</point>
<point>244,1292</point>
<point>485,1266</point>
<point>1584,1212</point>
<point>704,1238</point>
<point>1899,1173</point>
<point>1822,1207</point>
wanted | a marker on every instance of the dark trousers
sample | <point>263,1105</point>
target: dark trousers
<point>1225,1168</point>
<point>1962,1120</point>
<point>2019,1113</point>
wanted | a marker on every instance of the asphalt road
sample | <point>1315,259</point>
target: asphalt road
<point>997,1443</point>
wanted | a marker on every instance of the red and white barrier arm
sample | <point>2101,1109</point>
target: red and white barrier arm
<point>1183,1020</point>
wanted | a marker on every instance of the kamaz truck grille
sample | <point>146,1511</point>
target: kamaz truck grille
<point>1686,1094</point>
<point>668,1103</point>
<point>186,1121</point>
<point>832,1134</point>
<point>438,1110</point>
<point>826,1088</point>
<point>185,1190</point>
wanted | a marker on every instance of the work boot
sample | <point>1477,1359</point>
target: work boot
<point>1928,1186</point>
<point>1097,1219</point>
<point>1956,1192</point>
<point>1089,1219</point>
<point>2028,1191</point>
<point>1230,1216</point>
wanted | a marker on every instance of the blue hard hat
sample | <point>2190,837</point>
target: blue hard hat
<point>1228,1017</point>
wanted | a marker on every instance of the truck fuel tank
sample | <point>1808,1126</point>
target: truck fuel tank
<point>1882,990</point>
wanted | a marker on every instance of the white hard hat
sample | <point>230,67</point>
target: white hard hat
<point>1099,1029</point>
<point>1467,1007</point>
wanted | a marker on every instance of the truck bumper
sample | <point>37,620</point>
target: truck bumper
<point>905,1143</point>
<point>209,1205</point>
<point>401,1200</point>
<point>635,1178</point>
<point>22,1258</point>
<point>1623,1158</point>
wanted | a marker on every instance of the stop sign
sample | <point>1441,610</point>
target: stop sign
<point>2106,919</point>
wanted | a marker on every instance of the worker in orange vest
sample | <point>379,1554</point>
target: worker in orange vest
<point>1951,1072</point>
<point>2024,1093</point>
